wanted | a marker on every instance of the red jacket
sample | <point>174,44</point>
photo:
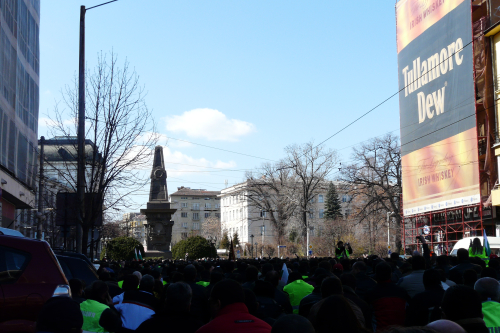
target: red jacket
<point>235,318</point>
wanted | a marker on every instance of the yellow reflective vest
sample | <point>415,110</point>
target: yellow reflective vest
<point>91,311</point>
<point>297,290</point>
<point>483,255</point>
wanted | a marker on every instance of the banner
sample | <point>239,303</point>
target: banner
<point>437,105</point>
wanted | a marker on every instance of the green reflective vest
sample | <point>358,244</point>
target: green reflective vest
<point>91,311</point>
<point>164,282</point>
<point>203,283</point>
<point>297,290</point>
<point>483,255</point>
<point>491,311</point>
<point>120,284</point>
<point>341,255</point>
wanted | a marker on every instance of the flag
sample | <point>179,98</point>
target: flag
<point>140,254</point>
<point>486,244</point>
<point>231,251</point>
<point>135,254</point>
<point>284,276</point>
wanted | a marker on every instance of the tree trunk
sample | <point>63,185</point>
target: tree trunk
<point>85,238</point>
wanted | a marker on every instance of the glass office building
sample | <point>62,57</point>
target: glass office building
<point>19,99</point>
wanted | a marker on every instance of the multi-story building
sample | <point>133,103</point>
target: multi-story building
<point>240,215</point>
<point>60,170</point>
<point>19,98</point>
<point>193,207</point>
<point>134,225</point>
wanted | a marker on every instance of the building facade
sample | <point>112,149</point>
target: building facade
<point>240,215</point>
<point>193,206</point>
<point>19,99</point>
<point>134,225</point>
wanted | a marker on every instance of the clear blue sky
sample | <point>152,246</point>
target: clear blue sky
<point>267,73</point>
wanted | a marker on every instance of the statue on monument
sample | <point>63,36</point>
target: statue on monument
<point>158,212</point>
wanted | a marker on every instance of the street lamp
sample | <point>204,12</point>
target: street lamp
<point>80,180</point>
<point>251,242</point>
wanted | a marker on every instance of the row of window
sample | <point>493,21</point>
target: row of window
<point>197,205</point>
<point>196,216</point>
<point>197,198</point>
<point>196,225</point>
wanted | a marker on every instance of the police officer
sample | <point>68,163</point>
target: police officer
<point>343,251</point>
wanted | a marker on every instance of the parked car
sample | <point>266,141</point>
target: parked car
<point>30,274</point>
<point>77,268</point>
<point>464,243</point>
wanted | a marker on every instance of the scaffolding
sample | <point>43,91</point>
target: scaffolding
<point>442,229</point>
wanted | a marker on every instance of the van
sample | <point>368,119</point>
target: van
<point>464,243</point>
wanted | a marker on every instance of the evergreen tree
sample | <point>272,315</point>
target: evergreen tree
<point>333,209</point>
<point>236,239</point>
<point>224,243</point>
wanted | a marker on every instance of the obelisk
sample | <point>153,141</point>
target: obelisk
<point>158,211</point>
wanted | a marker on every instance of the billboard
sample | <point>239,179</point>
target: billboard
<point>437,105</point>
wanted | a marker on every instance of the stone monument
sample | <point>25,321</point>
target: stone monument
<point>158,211</point>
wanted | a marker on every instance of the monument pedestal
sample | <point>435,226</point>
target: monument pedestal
<point>158,211</point>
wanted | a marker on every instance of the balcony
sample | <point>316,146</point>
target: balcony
<point>197,209</point>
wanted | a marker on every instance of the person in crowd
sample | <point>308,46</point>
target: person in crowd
<point>60,315</point>
<point>76,286</point>
<point>292,324</point>
<point>463,264</point>
<point>470,277</point>
<point>387,299</point>
<point>308,301</point>
<point>413,283</point>
<point>446,326</point>
<point>280,297</point>
<point>138,305</point>
<point>229,312</point>
<point>130,282</point>
<point>343,251</point>
<point>98,312</point>
<point>349,291</point>
<point>114,289</point>
<point>462,305</point>
<point>251,275</point>
<point>297,289</point>
<point>336,315</point>
<point>423,307</point>
<point>268,307</point>
<point>489,293</point>
<point>476,250</point>
<point>364,283</point>
<point>174,317</point>
<point>199,302</point>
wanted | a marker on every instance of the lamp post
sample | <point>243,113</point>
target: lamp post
<point>251,242</point>
<point>80,180</point>
<point>389,215</point>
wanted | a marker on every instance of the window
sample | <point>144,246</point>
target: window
<point>346,198</point>
<point>321,213</point>
<point>207,215</point>
<point>184,235</point>
<point>12,264</point>
<point>184,225</point>
<point>196,226</point>
<point>217,206</point>
<point>311,214</point>
<point>184,198</point>
<point>217,214</point>
<point>208,205</point>
<point>207,198</point>
<point>263,213</point>
<point>312,200</point>
<point>347,212</point>
<point>196,206</point>
<point>184,214</point>
<point>184,204</point>
<point>320,198</point>
<point>196,216</point>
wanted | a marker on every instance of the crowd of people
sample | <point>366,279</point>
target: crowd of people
<point>423,293</point>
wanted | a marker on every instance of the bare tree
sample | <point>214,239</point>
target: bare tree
<point>312,166</point>
<point>375,183</point>
<point>122,134</point>
<point>111,230</point>
<point>211,229</point>
<point>273,191</point>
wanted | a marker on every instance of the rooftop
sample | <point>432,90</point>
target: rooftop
<point>187,191</point>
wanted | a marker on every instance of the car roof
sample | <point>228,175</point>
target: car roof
<point>10,232</point>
